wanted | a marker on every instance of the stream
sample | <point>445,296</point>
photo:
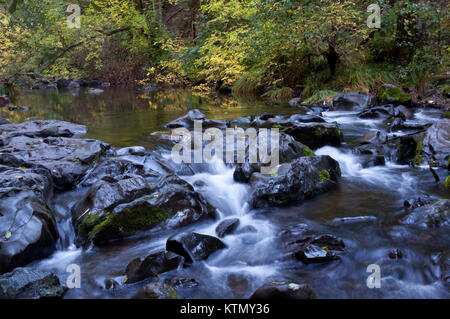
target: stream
<point>125,117</point>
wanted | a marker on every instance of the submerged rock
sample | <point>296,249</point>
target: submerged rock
<point>194,246</point>
<point>284,290</point>
<point>353,100</point>
<point>432,215</point>
<point>295,182</point>
<point>156,290</point>
<point>27,283</point>
<point>151,266</point>
<point>27,226</point>
<point>227,226</point>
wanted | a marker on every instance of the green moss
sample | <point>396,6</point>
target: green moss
<point>418,159</point>
<point>308,152</point>
<point>445,115</point>
<point>129,220</point>
<point>324,175</point>
<point>394,93</point>
<point>447,182</point>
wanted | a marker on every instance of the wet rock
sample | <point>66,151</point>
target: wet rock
<point>310,118</point>
<point>314,254</point>
<point>434,98</point>
<point>295,102</point>
<point>295,182</point>
<point>171,203</point>
<point>395,253</point>
<point>67,159</point>
<point>44,86</point>
<point>110,284</point>
<point>18,108</point>
<point>89,83</point>
<point>238,284</point>
<point>289,149</point>
<point>107,193</point>
<point>132,150</point>
<point>27,227</point>
<point>353,100</point>
<point>3,121</point>
<point>417,202</point>
<point>241,121</point>
<point>436,142</point>
<point>113,167</point>
<point>316,135</point>
<point>227,226</point>
<point>27,283</point>
<point>392,94</point>
<point>429,216</point>
<point>156,290</point>
<point>377,112</point>
<point>442,260</point>
<point>284,291</point>
<point>67,84</point>
<point>40,129</point>
<point>151,266</point>
<point>187,121</point>
<point>194,246</point>
<point>181,282</point>
<point>353,220</point>
<point>407,149</point>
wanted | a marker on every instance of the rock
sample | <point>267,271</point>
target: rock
<point>417,202</point>
<point>194,246</point>
<point>227,226</point>
<point>310,118</point>
<point>156,290</point>
<point>27,283</point>
<point>316,135</point>
<point>95,91</point>
<point>151,266</point>
<point>132,150</point>
<point>181,282</point>
<point>4,101</point>
<point>67,84</point>
<point>241,121</point>
<point>406,150</point>
<point>436,142</point>
<point>353,100</point>
<point>314,254</point>
<point>377,112</point>
<point>289,149</point>
<point>27,227</point>
<point>110,284</point>
<point>284,291</point>
<point>3,121</point>
<point>434,98</point>
<point>429,216</point>
<point>105,194</point>
<point>395,253</point>
<point>353,220</point>
<point>44,86</point>
<point>16,108</point>
<point>442,260</point>
<point>112,167</point>
<point>171,200</point>
<point>187,121</point>
<point>89,83</point>
<point>40,129</point>
<point>295,182</point>
<point>392,94</point>
<point>67,159</point>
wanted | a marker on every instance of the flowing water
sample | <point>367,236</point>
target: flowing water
<point>125,117</point>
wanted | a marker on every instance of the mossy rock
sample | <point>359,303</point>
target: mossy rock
<point>418,158</point>
<point>308,152</point>
<point>324,176</point>
<point>392,94</point>
<point>447,183</point>
<point>445,115</point>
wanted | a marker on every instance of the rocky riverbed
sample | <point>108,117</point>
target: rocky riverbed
<point>362,180</point>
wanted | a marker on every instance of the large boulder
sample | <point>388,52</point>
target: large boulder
<point>436,142</point>
<point>284,290</point>
<point>353,100</point>
<point>41,129</point>
<point>27,226</point>
<point>67,159</point>
<point>289,149</point>
<point>172,202</point>
<point>187,121</point>
<point>194,246</point>
<point>432,215</point>
<point>151,266</point>
<point>27,283</point>
<point>391,94</point>
<point>295,182</point>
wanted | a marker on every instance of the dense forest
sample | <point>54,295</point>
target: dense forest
<point>267,47</point>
